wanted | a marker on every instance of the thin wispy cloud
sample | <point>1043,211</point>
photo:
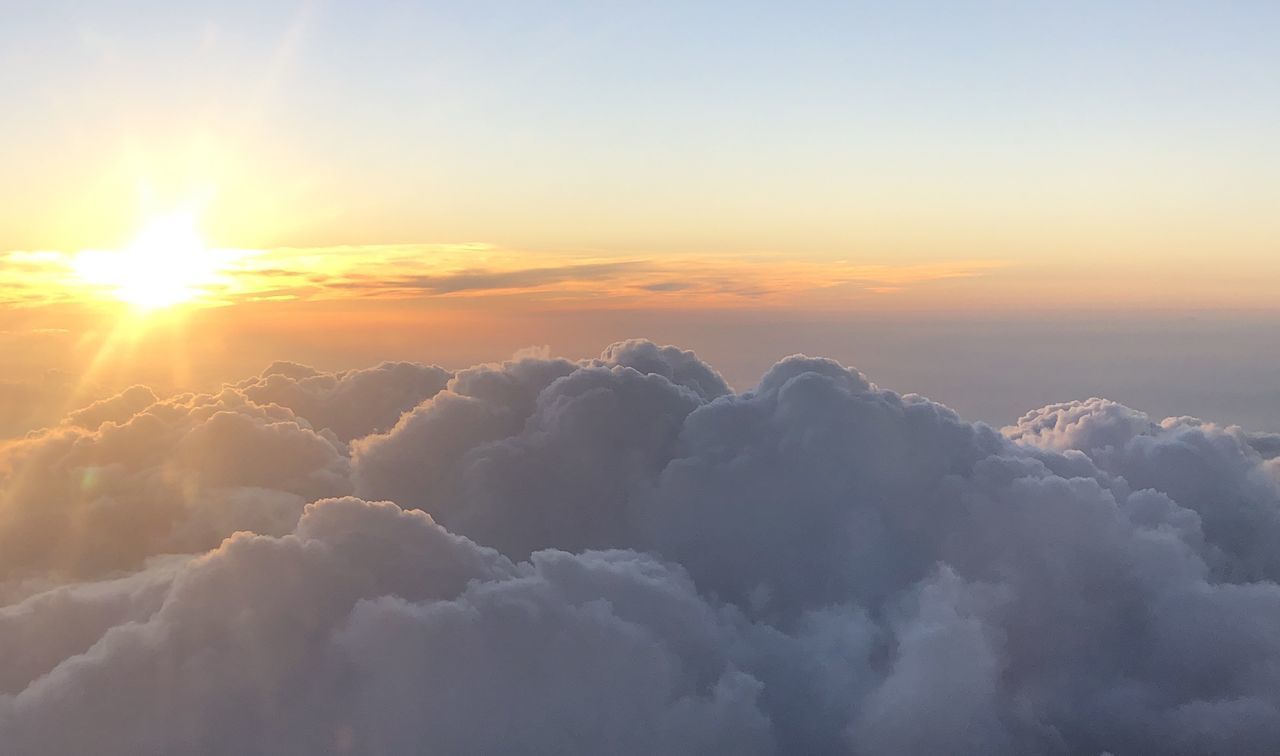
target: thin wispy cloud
<point>478,270</point>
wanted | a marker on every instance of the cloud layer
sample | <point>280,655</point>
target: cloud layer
<point>621,555</point>
<point>468,271</point>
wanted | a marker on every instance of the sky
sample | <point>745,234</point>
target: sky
<point>448,174</point>
<point>1132,136</point>
<point>632,378</point>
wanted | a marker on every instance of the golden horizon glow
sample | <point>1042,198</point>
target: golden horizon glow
<point>169,266</point>
<point>167,263</point>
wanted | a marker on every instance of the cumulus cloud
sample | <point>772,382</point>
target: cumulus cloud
<point>115,409</point>
<point>621,555</point>
<point>1222,475</point>
<point>351,403</point>
<point>131,477</point>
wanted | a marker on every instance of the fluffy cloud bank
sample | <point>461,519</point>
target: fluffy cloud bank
<point>621,555</point>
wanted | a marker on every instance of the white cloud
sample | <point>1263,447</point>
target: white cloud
<point>637,560</point>
<point>352,403</point>
<point>177,476</point>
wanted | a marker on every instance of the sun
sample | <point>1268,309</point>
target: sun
<point>166,264</point>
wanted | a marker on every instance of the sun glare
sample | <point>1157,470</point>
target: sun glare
<point>166,264</point>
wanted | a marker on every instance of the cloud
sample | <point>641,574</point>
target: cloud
<point>622,555</point>
<point>685,280</point>
<point>1220,474</point>
<point>1265,444</point>
<point>117,409</point>
<point>131,477</point>
<point>514,280</point>
<point>380,632</point>
<point>351,403</point>
<point>476,271</point>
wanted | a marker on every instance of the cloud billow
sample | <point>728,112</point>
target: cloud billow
<point>621,555</point>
